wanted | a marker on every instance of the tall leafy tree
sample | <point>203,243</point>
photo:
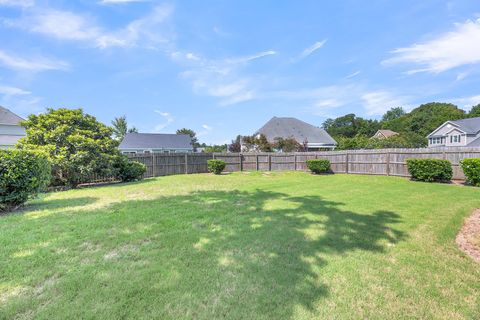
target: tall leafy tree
<point>350,126</point>
<point>192,135</point>
<point>120,128</point>
<point>78,145</point>
<point>393,114</point>
<point>236,145</point>
<point>474,112</point>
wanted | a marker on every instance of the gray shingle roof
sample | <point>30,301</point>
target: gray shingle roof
<point>8,117</point>
<point>470,126</point>
<point>474,143</point>
<point>156,141</point>
<point>294,128</point>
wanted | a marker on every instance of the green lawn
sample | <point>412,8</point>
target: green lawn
<point>242,246</point>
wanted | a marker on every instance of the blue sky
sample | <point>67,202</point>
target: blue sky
<point>224,68</point>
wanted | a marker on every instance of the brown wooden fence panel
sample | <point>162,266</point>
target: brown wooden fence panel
<point>374,162</point>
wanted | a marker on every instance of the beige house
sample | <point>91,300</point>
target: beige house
<point>384,134</point>
<point>10,129</point>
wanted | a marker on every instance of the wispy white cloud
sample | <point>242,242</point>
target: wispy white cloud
<point>319,100</point>
<point>308,51</point>
<point>352,75</point>
<point>66,25</point>
<point>17,3</point>
<point>206,130</point>
<point>466,102</point>
<point>168,120</point>
<point>34,64</point>
<point>120,1</point>
<point>222,78</point>
<point>13,91</point>
<point>444,52</point>
<point>378,102</point>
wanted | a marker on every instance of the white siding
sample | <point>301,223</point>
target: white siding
<point>12,130</point>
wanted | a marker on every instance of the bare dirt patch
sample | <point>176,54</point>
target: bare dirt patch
<point>469,235</point>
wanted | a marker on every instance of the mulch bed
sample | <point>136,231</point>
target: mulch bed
<point>466,236</point>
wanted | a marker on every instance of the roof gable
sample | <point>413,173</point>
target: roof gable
<point>156,141</point>
<point>296,129</point>
<point>8,117</point>
<point>470,125</point>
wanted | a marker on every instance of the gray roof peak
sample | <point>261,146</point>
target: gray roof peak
<point>156,141</point>
<point>8,117</point>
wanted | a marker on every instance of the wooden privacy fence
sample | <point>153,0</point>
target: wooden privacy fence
<point>390,162</point>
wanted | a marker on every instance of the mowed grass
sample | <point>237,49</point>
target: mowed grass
<point>242,246</point>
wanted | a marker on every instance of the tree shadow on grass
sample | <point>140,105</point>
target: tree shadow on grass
<point>211,254</point>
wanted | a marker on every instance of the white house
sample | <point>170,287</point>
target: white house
<point>456,133</point>
<point>10,129</point>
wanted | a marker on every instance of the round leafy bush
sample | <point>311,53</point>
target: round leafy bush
<point>471,169</point>
<point>430,170</point>
<point>216,166</point>
<point>318,166</point>
<point>128,170</point>
<point>23,174</point>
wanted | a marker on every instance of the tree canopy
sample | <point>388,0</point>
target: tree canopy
<point>120,128</point>
<point>193,136</point>
<point>78,145</point>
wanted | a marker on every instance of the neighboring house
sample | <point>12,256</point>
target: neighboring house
<point>10,129</point>
<point>456,133</point>
<point>314,138</point>
<point>384,134</point>
<point>155,143</point>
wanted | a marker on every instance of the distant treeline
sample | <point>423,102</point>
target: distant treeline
<point>352,132</point>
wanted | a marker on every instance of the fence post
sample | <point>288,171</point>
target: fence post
<point>186,163</point>
<point>269,162</point>
<point>295,161</point>
<point>388,163</point>
<point>256,162</point>
<point>241,162</point>
<point>153,165</point>
<point>346,163</point>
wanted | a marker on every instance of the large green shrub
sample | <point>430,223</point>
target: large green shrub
<point>77,144</point>
<point>430,170</point>
<point>318,166</point>
<point>216,166</point>
<point>23,174</point>
<point>471,169</point>
<point>128,170</point>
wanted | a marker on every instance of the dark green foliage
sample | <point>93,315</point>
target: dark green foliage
<point>216,166</point>
<point>430,170</point>
<point>257,143</point>
<point>287,145</point>
<point>129,170</point>
<point>120,128</point>
<point>23,174</point>
<point>362,142</point>
<point>77,144</point>
<point>474,112</point>
<point>215,148</point>
<point>236,145</point>
<point>424,119</point>
<point>350,125</point>
<point>471,169</point>
<point>393,114</point>
<point>318,166</point>
<point>193,136</point>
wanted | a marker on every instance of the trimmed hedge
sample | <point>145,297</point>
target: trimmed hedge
<point>430,170</point>
<point>216,166</point>
<point>23,174</point>
<point>129,170</point>
<point>318,166</point>
<point>471,169</point>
